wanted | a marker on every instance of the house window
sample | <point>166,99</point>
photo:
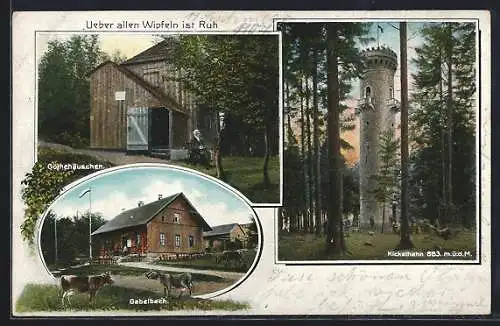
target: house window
<point>177,217</point>
<point>391,93</point>
<point>163,218</point>
<point>138,240</point>
<point>177,240</point>
<point>162,239</point>
<point>191,241</point>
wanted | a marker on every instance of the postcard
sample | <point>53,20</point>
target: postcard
<point>251,163</point>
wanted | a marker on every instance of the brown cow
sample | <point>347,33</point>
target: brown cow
<point>83,284</point>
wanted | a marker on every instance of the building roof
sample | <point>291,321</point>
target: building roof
<point>156,92</point>
<point>143,214</point>
<point>160,51</point>
<point>220,230</point>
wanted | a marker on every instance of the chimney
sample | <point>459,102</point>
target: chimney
<point>140,203</point>
<point>160,196</point>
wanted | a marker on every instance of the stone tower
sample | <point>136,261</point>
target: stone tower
<point>377,108</point>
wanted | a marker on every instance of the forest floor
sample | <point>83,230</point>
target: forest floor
<point>380,246</point>
<point>243,173</point>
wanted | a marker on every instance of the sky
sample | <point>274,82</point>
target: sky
<point>129,44</point>
<point>124,188</point>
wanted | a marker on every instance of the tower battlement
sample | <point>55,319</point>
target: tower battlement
<point>379,57</point>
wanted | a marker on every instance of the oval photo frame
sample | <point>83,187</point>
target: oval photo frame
<point>211,182</point>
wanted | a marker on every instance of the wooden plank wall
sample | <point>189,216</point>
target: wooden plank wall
<point>108,121</point>
<point>180,130</point>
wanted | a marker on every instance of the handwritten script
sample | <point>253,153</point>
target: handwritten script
<point>385,290</point>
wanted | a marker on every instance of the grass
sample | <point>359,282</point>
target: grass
<point>242,173</point>
<point>129,271</point>
<point>47,298</point>
<point>63,156</point>
<point>295,246</point>
<point>208,262</point>
<point>245,174</point>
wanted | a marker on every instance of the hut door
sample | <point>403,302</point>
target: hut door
<point>138,129</point>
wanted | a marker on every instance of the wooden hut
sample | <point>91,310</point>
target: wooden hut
<point>141,106</point>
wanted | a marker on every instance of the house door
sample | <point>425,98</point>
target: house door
<point>138,129</point>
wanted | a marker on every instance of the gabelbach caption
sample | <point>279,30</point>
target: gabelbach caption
<point>150,24</point>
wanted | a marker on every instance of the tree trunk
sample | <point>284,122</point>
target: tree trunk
<point>316,174</point>
<point>333,241</point>
<point>303,152</point>
<point>282,212</point>
<point>383,218</point>
<point>443,208</point>
<point>265,168</point>
<point>449,58</point>
<point>217,151</point>
<point>310,183</point>
<point>405,242</point>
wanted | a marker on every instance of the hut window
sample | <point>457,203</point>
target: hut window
<point>177,218</point>
<point>391,93</point>
<point>191,241</point>
<point>162,239</point>
<point>177,240</point>
<point>368,92</point>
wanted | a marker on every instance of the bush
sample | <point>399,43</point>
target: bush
<point>74,140</point>
<point>42,185</point>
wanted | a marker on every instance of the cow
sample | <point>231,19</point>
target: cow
<point>228,256</point>
<point>83,284</point>
<point>183,281</point>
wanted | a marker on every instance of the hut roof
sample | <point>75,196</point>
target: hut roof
<point>161,51</point>
<point>156,92</point>
<point>143,214</point>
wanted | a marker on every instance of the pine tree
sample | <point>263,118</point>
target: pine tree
<point>443,122</point>
<point>389,171</point>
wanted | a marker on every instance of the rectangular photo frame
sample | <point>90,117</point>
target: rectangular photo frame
<point>370,145</point>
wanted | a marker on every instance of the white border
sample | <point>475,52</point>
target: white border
<point>466,288</point>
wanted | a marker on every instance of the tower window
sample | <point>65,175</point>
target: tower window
<point>368,92</point>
